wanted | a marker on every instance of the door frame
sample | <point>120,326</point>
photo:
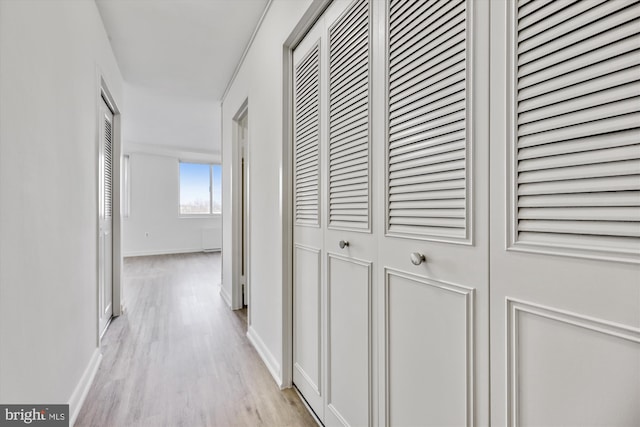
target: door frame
<point>103,92</point>
<point>236,214</point>
<point>312,14</point>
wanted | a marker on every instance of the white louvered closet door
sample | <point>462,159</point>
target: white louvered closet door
<point>435,205</point>
<point>105,232</point>
<point>308,200</point>
<point>349,178</point>
<point>334,246</point>
<point>565,294</point>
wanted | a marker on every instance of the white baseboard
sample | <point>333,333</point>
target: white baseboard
<point>272,364</point>
<point>166,252</point>
<point>80,392</point>
<point>225,296</point>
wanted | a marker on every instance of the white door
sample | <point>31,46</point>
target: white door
<point>105,220</point>
<point>334,243</point>
<point>565,281</point>
<point>350,237</point>
<point>308,248</point>
<point>434,253</point>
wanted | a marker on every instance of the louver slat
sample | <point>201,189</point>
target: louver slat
<point>594,46</point>
<point>578,125</point>
<point>592,87</point>
<point>306,138</point>
<point>349,52</point>
<point>108,169</point>
<point>536,52</point>
<point>621,198</point>
<point>427,151</point>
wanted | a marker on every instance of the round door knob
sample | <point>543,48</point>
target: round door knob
<point>343,244</point>
<point>417,258</point>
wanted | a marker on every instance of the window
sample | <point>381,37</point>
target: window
<point>200,189</point>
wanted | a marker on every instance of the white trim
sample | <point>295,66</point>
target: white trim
<point>286,211</point>
<point>125,186</point>
<point>246,51</point>
<point>240,150</point>
<point>267,357</point>
<point>168,252</point>
<point>247,220</point>
<point>82,388</point>
<point>185,154</point>
<point>225,296</point>
<point>200,216</point>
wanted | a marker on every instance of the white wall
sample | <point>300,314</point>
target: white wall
<point>50,54</point>
<point>158,131</point>
<point>171,121</point>
<point>260,80</point>
<point>154,226</point>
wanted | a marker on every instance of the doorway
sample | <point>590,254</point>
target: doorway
<point>105,234</point>
<point>109,263</point>
<point>241,286</point>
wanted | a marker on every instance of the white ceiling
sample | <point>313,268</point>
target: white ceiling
<point>180,47</point>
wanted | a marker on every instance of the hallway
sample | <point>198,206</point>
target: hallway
<point>179,356</point>
<point>432,208</point>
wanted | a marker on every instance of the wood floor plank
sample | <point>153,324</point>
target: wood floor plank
<point>180,357</point>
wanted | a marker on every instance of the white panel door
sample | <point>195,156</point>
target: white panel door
<point>565,245</point>
<point>350,241</point>
<point>308,264</point>
<point>434,253</point>
<point>105,221</point>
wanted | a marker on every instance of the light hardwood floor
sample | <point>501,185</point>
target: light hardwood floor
<point>180,357</point>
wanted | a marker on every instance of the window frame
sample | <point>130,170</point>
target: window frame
<point>212,212</point>
<point>126,186</point>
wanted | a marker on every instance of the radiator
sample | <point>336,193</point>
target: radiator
<point>210,239</point>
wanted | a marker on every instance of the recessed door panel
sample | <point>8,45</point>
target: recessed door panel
<point>348,341</point>
<point>307,318</point>
<point>570,370</point>
<point>429,349</point>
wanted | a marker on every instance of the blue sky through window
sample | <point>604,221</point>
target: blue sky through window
<point>195,192</point>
